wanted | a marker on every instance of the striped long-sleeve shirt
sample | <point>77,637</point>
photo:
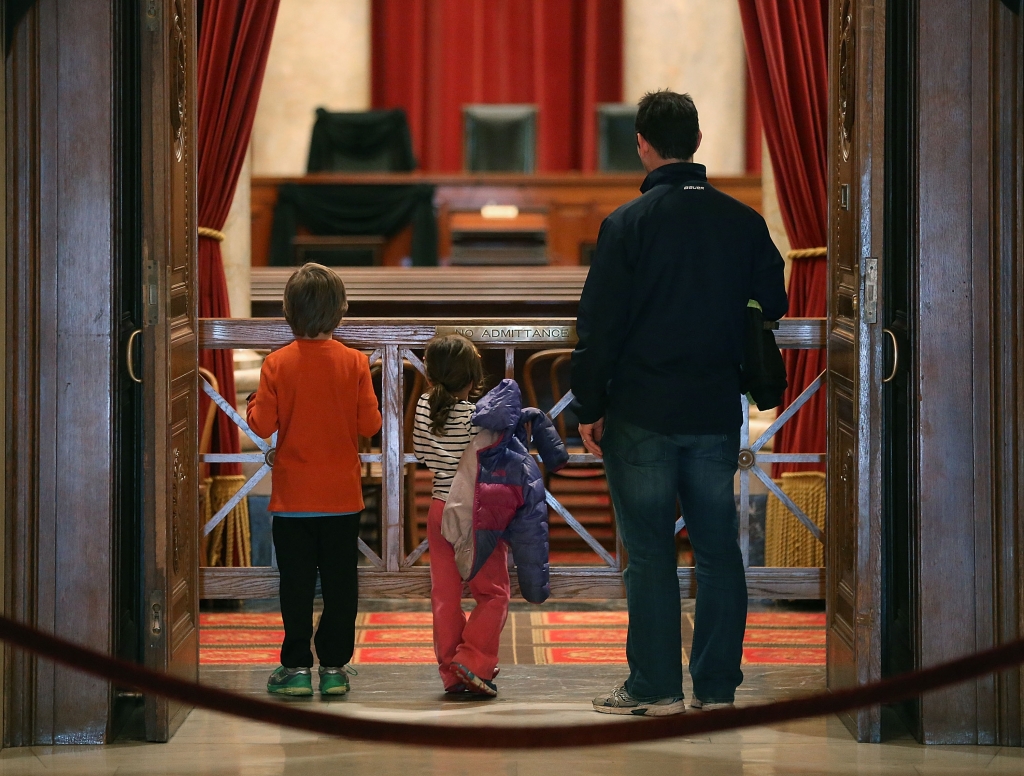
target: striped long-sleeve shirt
<point>441,454</point>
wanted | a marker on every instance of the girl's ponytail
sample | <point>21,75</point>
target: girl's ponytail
<point>452,363</point>
<point>440,402</point>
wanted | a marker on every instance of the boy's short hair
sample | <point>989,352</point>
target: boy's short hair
<point>314,300</point>
<point>668,121</point>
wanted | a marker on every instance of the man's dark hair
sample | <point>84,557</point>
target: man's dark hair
<point>668,121</point>
<point>314,300</point>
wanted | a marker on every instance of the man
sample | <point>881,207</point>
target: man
<point>656,376</point>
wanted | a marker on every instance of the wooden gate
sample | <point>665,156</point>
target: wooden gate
<point>395,572</point>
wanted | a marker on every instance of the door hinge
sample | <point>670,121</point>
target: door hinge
<point>870,306</point>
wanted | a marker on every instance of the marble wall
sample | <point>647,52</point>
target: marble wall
<point>770,207</point>
<point>320,56</point>
<point>236,249</point>
<point>693,46</point>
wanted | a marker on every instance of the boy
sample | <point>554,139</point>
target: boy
<point>317,394</point>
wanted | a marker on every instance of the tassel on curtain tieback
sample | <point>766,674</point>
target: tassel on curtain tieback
<point>229,544</point>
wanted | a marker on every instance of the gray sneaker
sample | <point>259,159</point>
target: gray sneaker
<point>619,701</point>
<point>699,705</point>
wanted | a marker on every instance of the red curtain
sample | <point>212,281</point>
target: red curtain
<point>787,59</point>
<point>752,138</point>
<point>431,57</point>
<point>233,46</point>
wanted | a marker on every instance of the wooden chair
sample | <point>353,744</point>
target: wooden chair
<point>582,484</point>
<point>557,358</point>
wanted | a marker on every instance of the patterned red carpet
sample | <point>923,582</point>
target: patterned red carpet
<point>530,638</point>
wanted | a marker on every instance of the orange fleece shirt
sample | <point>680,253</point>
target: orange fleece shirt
<point>318,396</point>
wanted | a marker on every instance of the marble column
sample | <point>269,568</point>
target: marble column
<point>770,206</point>
<point>237,245</point>
<point>693,46</point>
<point>320,56</point>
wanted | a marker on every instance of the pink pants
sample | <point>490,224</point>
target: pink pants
<point>472,642</point>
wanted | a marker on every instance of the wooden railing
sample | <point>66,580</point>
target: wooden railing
<point>391,344</point>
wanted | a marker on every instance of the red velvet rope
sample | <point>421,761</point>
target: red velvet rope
<point>490,737</point>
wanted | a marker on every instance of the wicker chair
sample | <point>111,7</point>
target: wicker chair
<point>787,540</point>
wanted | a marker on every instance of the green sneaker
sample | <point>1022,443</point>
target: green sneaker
<point>333,681</point>
<point>290,681</point>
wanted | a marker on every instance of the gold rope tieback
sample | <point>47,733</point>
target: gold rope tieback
<point>213,234</point>
<point>802,253</point>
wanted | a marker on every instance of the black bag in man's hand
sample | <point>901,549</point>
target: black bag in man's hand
<point>763,376</point>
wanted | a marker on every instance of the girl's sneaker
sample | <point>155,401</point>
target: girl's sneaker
<point>290,681</point>
<point>333,681</point>
<point>474,683</point>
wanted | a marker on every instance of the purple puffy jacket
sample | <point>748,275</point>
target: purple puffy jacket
<point>498,490</point>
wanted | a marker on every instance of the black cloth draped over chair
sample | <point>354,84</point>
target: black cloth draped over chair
<point>367,141</point>
<point>355,210</point>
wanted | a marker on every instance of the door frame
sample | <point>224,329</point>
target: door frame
<point>62,247</point>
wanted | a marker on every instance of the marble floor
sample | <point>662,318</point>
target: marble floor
<point>209,744</point>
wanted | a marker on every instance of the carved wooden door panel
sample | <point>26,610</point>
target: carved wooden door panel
<point>853,527</point>
<point>170,626</point>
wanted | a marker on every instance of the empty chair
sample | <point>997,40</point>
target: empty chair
<point>500,138</point>
<point>616,138</point>
<point>354,142</point>
<point>367,141</point>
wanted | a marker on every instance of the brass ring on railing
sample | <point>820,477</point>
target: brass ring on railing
<point>129,357</point>
<point>895,357</point>
<point>747,459</point>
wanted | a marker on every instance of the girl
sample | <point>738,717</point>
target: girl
<point>467,650</point>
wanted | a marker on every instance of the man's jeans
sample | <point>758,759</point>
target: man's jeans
<point>647,472</point>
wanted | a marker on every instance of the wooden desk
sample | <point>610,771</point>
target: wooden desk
<point>415,292</point>
<point>575,204</point>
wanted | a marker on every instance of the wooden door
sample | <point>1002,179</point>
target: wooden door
<point>853,526</point>
<point>170,363</point>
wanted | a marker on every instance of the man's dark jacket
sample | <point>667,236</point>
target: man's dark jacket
<point>662,316</point>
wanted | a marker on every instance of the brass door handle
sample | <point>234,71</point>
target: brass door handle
<point>895,357</point>
<point>130,357</point>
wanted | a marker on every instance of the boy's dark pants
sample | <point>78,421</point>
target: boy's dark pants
<point>303,546</point>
